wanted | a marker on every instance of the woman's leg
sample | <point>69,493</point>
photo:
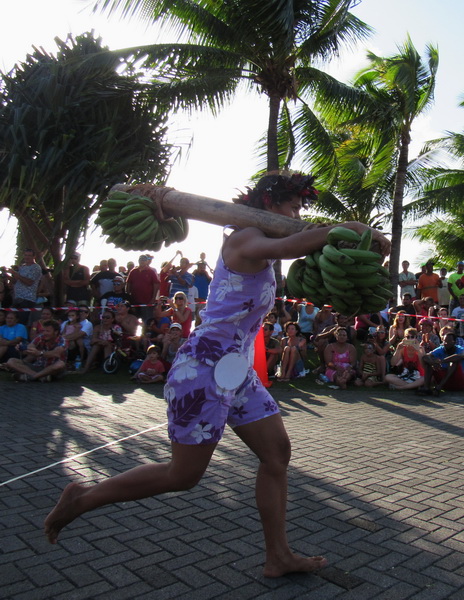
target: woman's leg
<point>185,469</point>
<point>268,439</point>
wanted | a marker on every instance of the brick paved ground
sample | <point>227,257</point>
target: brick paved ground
<point>376,485</point>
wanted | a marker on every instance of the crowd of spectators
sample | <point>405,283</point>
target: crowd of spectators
<point>415,344</point>
<point>133,308</point>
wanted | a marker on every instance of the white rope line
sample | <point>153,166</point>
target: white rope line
<point>71,458</point>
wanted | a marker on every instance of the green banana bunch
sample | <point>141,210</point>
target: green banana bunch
<point>129,222</point>
<point>346,274</point>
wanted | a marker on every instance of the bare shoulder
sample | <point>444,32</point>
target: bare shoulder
<point>239,251</point>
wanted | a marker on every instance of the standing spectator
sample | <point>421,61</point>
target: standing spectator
<point>116,295</point>
<point>443,292</point>
<point>181,280</point>
<point>417,275</point>
<point>45,356</point>
<point>429,283</point>
<point>458,313</point>
<point>165,272</point>
<point>408,308</point>
<point>142,285</point>
<point>46,289</point>
<point>11,334</point>
<point>456,285</point>
<point>76,279</point>
<point>102,280</point>
<point>407,280</point>
<point>25,284</point>
<point>444,366</point>
<point>201,279</point>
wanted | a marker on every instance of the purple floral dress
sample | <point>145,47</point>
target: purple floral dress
<point>198,409</point>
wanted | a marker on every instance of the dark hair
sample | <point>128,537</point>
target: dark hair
<point>297,327</point>
<point>268,325</point>
<point>275,188</point>
<point>52,323</point>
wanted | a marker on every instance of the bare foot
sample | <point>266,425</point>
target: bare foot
<point>294,564</point>
<point>65,511</point>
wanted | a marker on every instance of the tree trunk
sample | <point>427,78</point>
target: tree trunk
<point>397,209</point>
<point>272,145</point>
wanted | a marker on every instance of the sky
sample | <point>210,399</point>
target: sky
<point>222,157</point>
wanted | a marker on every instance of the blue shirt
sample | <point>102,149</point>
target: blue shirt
<point>441,353</point>
<point>11,333</point>
<point>176,286</point>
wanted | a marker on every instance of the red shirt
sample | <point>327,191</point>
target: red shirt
<point>141,283</point>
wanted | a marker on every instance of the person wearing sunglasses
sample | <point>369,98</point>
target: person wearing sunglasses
<point>408,357</point>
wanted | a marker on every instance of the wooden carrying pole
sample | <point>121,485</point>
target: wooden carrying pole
<point>218,212</point>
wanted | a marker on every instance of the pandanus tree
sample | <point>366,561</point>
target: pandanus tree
<point>69,130</point>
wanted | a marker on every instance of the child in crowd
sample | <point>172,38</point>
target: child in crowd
<point>152,369</point>
<point>370,367</point>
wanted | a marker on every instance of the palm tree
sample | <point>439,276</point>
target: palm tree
<point>269,46</point>
<point>397,90</point>
<point>68,132</point>
<point>439,178</point>
<point>355,196</point>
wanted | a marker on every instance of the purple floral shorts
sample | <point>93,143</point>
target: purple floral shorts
<point>198,409</point>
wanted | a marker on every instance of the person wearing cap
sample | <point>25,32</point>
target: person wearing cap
<point>76,278</point>
<point>429,283</point>
<point>116,295</point>
<point>212,382</point>
<point>456,285</point>
<point>143,285</point>
<point>171,344</point>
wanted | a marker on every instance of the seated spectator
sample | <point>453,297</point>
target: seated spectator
<point>71,331</point>
<point>306,314</point>
<point>426,337</point>
<point>116,295</point>
<point>171,344</point>
<point>45,356</point>
<point>46,314</point>
<point>366,324</point>
<point>102,342</point>
<point>444,367</point>
<point>2,317</point>
<point>272,347</point>
<point>371,370</point>
<point>340,359</point>
<point>272,318</point>
<point>407,359</point>
<point>382,348</point>
<point>458,313</point>
<point>293,352</point>
<point>180,313</point>
<point>155,331</point>
<point>327,336</point>
<point>324,318</point>
<point>441,321</point>
<point>152,369</point>
<point>425,307</point>
<point>11,334</point>
<point>397,330</point>
<point>127,321</point>
<point>450,329</point>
